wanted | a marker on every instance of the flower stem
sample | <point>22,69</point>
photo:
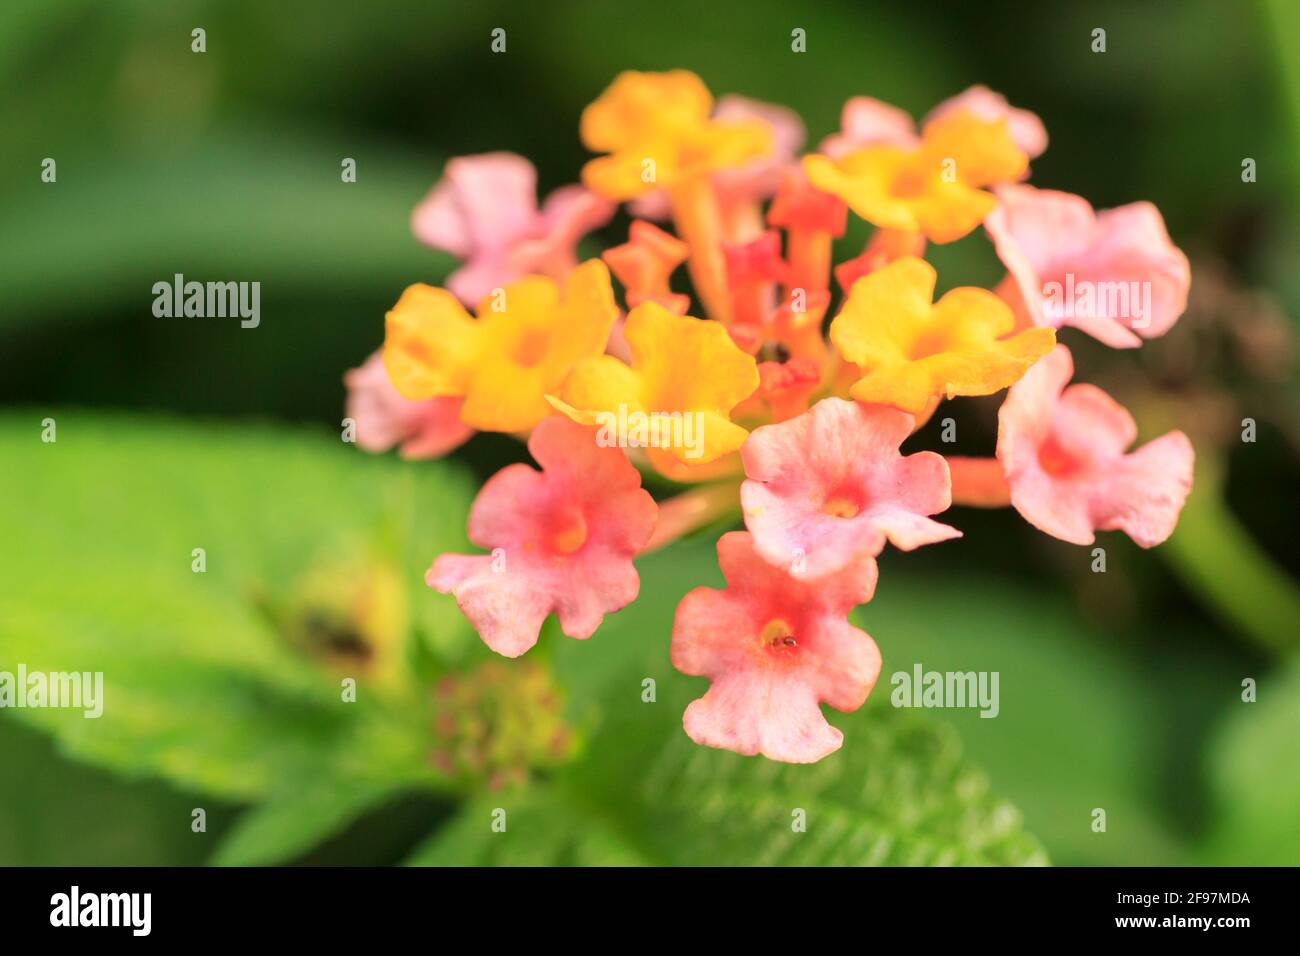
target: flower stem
<point>809,253</point>
<point>699,222</point>
<point>978,482</point>
<point>692,510</point>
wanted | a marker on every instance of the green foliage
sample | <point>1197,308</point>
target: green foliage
<point>1255,775</point>
<point>288,825</point>
<point>199,686</point>
<point>1071,733</point>
<point>542,828</point>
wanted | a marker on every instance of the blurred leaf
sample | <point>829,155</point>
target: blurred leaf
<point>542,828</point>
<point>1074,730</point>
<point>290,824</point>
<point>199,686</point>
<point>1254,769</point>
<point>899,792</point>
<point>57,813</point>
<point>237,206</point>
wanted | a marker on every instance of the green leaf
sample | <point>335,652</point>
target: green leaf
<point>242,206</point>
<point>207,679</point>
<point>899,792</point>
<point>290,824</point>
<point>1074,730</point>
<point>541,828</point>
<point>1254,770</point>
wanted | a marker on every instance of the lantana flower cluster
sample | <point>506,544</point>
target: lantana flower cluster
<point>785,386</point>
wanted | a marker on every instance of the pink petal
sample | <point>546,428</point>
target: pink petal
<point>831,484</point>
<point>481,202</point>
<point>759,713</point>
<point>1063,453</point>
<point>507,610</point>
<point>568,214</point>
<point>759,180</point>
<point>865,121</point>
<point>1145,497</point>
<point>424,429</point>
<point>1027,130</point>
<point>1093,271</point>
<point>563,540</point>
<point>484,212</point>
<point>764,696</point>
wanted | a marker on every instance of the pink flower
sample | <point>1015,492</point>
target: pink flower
<point>484,212</point>
<point>425,429</point>
<point>1063,453</point>
<point>869,122</point>
<point>1027,130</point>
<point>865,121</point>
<point>1114,274</point>
<point>562,539</point>
<point>751,183</point>
<point>774,647</point>
<point>831,485</point>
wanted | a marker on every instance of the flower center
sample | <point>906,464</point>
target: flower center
<point>841,507</point>
<point>929,342</point>
<point>569,532</point>
<point>531,347</point>
<point>1056,460</point>
<point>777,633</point>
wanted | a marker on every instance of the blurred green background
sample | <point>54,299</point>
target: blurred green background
<point>1119,690</point>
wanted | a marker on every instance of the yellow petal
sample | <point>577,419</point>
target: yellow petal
<point>680,365</point>
<point>430,343</point>
<point>950,211</point>
<point>910,352</point>
<point>885,312</point>
<point>982,152</point>
<point>631,172</point>
<point>636,105</point>
<point>533,343</point>
<point>688,363</point>
<point>867,181</point>
<point>599,384</point>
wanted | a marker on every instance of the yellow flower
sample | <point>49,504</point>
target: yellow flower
<point>685,378</point>
<point>657,130</point>
<point>934,189</point>
<point>525,341</point>
<point>911,351</point>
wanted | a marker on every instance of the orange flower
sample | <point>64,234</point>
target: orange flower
<point>911,351</point>
<point>934,189</point>
<point>685,378</point>
<point>644,263</point>
<point>525,341</point>
<point>658,131</point>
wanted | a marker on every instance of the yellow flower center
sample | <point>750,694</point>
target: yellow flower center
<point>777,633</point>
<point>569,532</point>
<point>841,507</point>
<point>531,347</point>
